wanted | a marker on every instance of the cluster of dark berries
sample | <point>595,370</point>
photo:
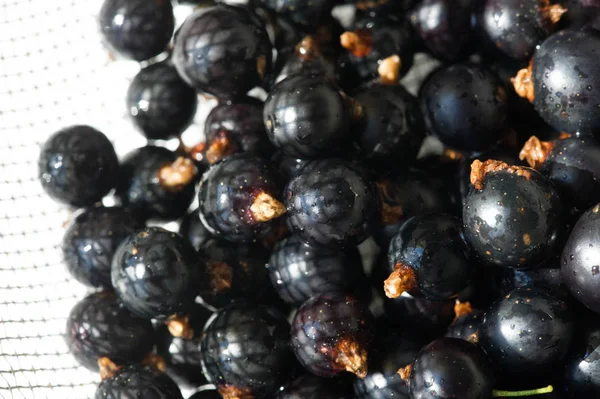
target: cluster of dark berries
<point>488,282</point>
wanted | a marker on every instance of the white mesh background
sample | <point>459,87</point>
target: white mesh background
<point>54,72</point>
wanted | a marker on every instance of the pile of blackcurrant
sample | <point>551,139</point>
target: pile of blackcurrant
<point>333,251</point>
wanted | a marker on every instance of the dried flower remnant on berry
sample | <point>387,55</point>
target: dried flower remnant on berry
<point>523,82</point>
<point>402,279</point>
<point>535,152</point>
<point>358,42</point>
<point>352,357</point>
<point>179,326</point>
<point>265,207</point>
<point>176,176</point>
<point>389,70</point>
<point>480,169</point>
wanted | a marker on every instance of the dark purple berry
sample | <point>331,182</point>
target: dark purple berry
<point>194,230</point>
<point>137,381</point>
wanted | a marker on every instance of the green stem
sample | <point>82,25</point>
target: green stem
<point>515,394</point>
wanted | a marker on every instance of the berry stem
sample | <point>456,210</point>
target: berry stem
<point>402,279</point>
<point>517,394</point>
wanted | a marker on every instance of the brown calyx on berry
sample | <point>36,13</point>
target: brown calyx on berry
<point>404,372</point>
<point>308,49</point>
<point>389,70</point>
<point>402,279</point>
<point>266,208</point>
<point>219,147</point>
<point>462,309</point>
<point>358,42</point>
<point>221,275</point>
<point>551,13</point>
<point>480,169</point>
<point>536,152</point>
<point>179,326</point>
<point>523,82</point>
<point>233,392</point>
<point>156,361</point>
<point>390,214</point>
<point>176,176</point>
<point>351,356</point>
<point>107,367</point>
<point>473,338</point>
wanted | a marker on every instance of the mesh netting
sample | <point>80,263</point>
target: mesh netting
<point>54,72</point>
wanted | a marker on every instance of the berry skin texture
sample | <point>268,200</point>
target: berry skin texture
<point>299,271</point>
<point>223,50</point>
<point>581,260</point>
<point>137,29</point>
<point>515,27</point>
<point>302,12</point>
<point>466,107</point>
<point>528,331</point>
<point>445,27</point>
<point>392,129</point>
<point>451,368</point>
<point>307,116</point>
<point>78,166</point>
<point>465,325</point>
<point>309,386</point>
<point>582,370</point>
<point>233,273</point>
<point>230,194</point>
<point>135,381</point>
<point>194,230</point>
<point>160,104</point>
<point>332,334</point>
<point>245,349</point>
<point>155,273</point>
<point>332,203</point>
<point>92,239</point>
<point>566,81</point>
<point>99,326</point>
<point>512,216</point>
<point>430,258</point>
<point>151,183</point>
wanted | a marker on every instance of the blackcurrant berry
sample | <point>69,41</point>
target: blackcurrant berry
<point>238,198</point>
<point>309,386</point>
<point>245,351</point>
<point>155,273</point>
<point>137,381</point>
<point>302,12</point>
<point>194,230</point>
<point>582,371</point>
<point>161,104</point>
<point>223,50</point>
<point>137,29</point>
<point>91,240</point>
<point>332,334</point>
<point>332,203</point>
<point>78,166</point>
<point>99,326</point>
<point>157,183</point>
<point>512,215</point>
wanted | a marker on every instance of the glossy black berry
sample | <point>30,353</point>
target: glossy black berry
<point>392,129</point>
<point>99,326</point>
<point>512,215</point>
<point>309,386</point>
<point>299,271</point>
<point>182,353</point>
<point>581,260</point>
<point>374,38</point>
<point>451,368</point>
<point>286,166</point>
<point>245,350</point>
<point>300,11</point>
<point>549,277</point>
<point>223,50</point>
<point>157,183</point>
<point>566,81</point>
<point>233,273</point>
<point>78,166</point>
<point>154,273</point>
<point>573,165</point>
<point>466,107</point>
<point>515,27</point>
<point>307,116</point>
<point>430,258</point>
<point>207,394</point>
<point>464,326</point>
<point>332,334</point>
<point>137,381</point>
<point>391,352</point>
<point>233,127</point>
<point>332,203</point>
<point>194,230</point>
<point>407,194</point>
<point>444,26</point>
<point>91,240</point>
<point>431,318</point>
<point>528,331</point>
<point>161,104</point>
<point>582,370</point>
<point>137,29</point>
<point>238,198</point>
